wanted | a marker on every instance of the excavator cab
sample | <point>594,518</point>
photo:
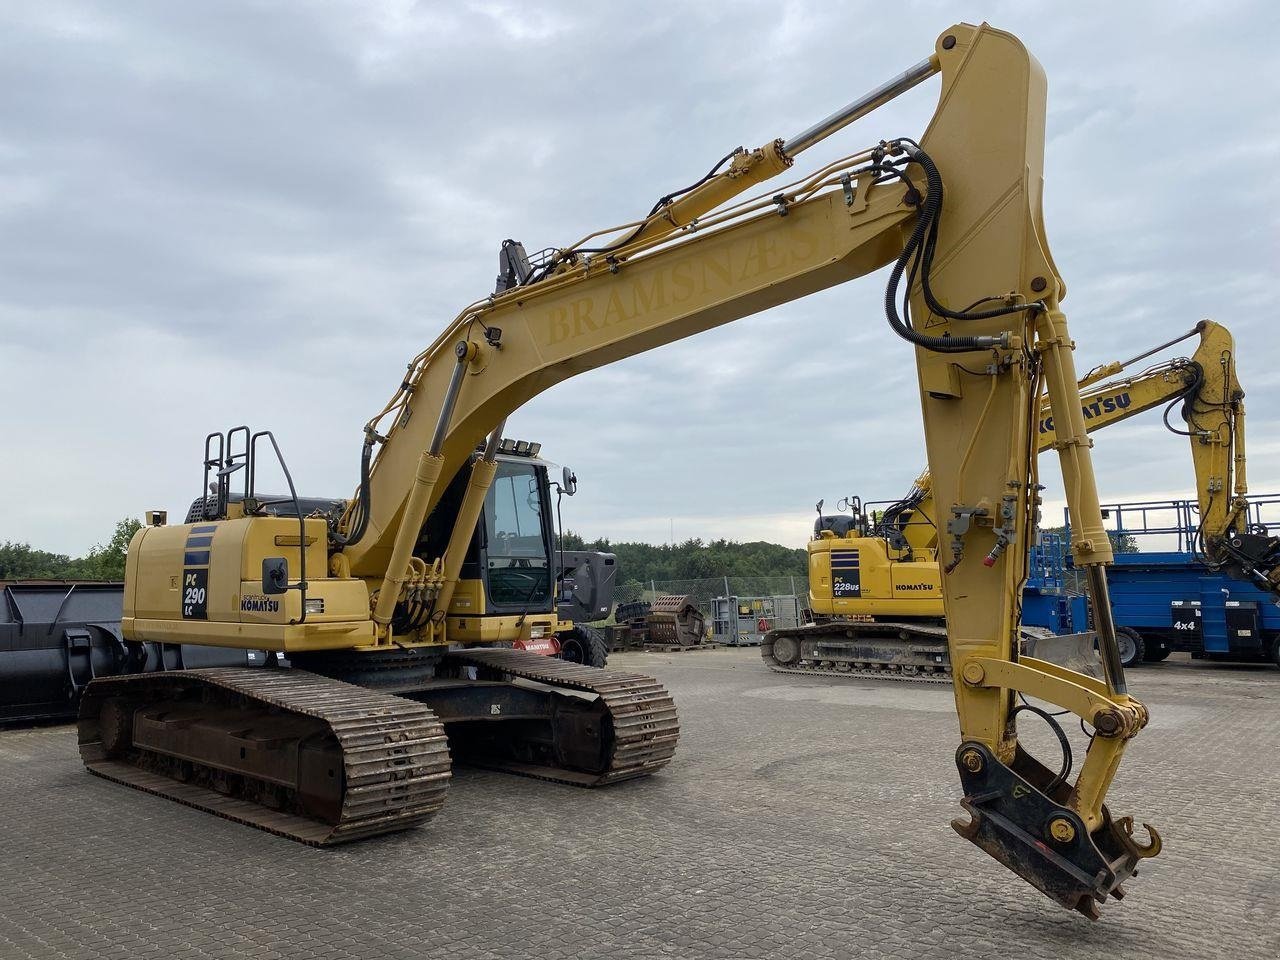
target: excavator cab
<point>508,566</point>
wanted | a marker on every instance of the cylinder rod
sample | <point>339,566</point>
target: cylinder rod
<point>464,523</point>
<point>495,437</point>
<point>430,464</point>
<point>450,399</point>
<point>1198,328</point>
<point>1105,628</point>
<point>862,106</point>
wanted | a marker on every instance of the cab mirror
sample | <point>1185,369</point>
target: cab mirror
<point>275,575</point>
<point>570,482</point>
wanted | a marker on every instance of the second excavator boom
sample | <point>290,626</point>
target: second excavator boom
<point>874,576</point>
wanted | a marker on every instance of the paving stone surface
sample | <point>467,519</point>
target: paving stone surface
<point>801,818</point>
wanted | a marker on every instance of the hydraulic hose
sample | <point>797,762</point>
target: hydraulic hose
<point>918,253</point>
<point>360,515</point>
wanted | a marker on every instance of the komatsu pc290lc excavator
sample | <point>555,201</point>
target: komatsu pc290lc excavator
<point>875,588</point>
<point>397,623</point>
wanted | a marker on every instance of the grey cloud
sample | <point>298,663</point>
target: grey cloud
<point>219,213</point>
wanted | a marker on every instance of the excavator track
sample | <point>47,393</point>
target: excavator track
<point>640,711</point>
<point>857,649</point>
<point>299,755</point>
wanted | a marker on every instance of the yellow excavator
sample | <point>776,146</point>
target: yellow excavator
<point>875,587</point>
<point>397,609</point>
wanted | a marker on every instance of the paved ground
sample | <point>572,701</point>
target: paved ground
<point>801,818</point>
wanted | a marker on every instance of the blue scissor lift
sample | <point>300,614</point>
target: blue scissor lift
<point>1165,594</point>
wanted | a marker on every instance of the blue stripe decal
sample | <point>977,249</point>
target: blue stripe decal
<point>205,529</point>
<point>197,558</point>
<point>199,542</point>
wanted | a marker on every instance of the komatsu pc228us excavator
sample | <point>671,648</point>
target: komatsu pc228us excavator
<point>397,624</point>
<point>875,588</point>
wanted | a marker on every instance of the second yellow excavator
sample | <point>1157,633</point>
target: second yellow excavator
<point>874,575</point>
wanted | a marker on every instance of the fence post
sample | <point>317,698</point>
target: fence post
<point>653,589</point>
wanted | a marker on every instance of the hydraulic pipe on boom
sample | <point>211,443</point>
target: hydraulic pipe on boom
<point>957,213</point>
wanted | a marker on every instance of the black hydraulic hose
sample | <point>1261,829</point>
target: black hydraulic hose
<point>661,202</point>
<point>1067,760</point>
<point>917,257</point>
<point>892,516</point>
<point>917,254</point>
<point>933,204</point>
<point>1187,398</point>
<point>360,515</point>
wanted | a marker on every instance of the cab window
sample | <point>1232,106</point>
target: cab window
<point>518,562</point>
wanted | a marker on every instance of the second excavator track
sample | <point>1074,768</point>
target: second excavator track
<point>645,726</point>
<point>378,763</point>
<point>914,652</point>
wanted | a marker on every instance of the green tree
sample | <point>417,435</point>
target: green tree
<point>1120,542</point>
<point>1123,542</point>
<point>21,561</point>
<point>106,561</point>
<point>695,560</point>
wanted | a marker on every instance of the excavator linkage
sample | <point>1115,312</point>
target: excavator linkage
<point>1040,839</point>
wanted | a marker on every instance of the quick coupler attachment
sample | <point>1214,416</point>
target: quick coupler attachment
<point>1018,816</point>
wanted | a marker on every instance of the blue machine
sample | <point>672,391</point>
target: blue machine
<point>1165,596</point>
<point>1046,599</point>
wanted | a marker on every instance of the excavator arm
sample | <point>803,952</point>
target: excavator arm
<point>958,216</point>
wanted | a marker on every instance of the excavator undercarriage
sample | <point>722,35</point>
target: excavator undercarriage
<point>359,747</point>
<point>882,650</point>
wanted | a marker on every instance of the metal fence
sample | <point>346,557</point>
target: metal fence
<point>704,591</point>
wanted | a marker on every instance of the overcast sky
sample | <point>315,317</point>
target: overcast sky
<point>224,213</point>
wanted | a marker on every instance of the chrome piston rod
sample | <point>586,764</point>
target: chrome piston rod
<point>1105,627</point>
<point>862,106</point>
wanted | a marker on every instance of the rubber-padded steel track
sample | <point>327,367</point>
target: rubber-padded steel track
<point>645,725</point>
<point>886,632</point>
<point>395,757</point>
